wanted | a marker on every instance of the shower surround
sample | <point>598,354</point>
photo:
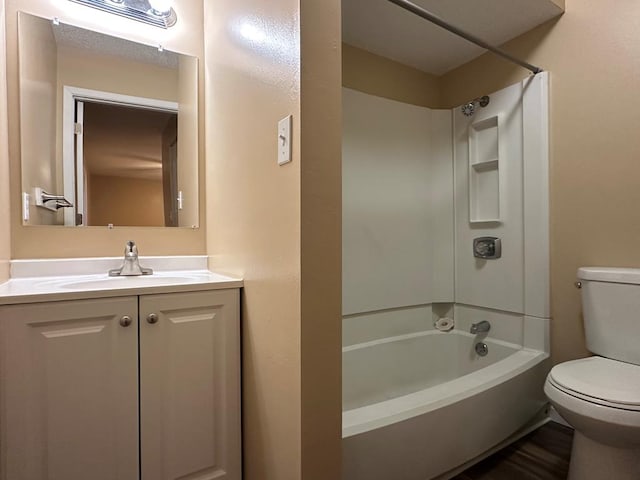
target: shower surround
<point>419,185</point>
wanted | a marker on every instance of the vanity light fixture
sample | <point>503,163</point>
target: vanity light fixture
<point>154,12</point>
<point>160,7</point>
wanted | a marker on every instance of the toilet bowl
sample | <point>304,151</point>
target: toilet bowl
<point>600,396</point>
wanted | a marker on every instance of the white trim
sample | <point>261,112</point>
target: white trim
<point>536,334</point>
<point>98,96</point>
<point>68,163</point>
<point>80,204</point>
<point>535,110</point>
<point>70,94</point>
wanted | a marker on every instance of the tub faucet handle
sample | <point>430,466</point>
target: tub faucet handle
<point>480,327</point>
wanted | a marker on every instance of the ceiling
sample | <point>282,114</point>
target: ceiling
<point>381,27</point>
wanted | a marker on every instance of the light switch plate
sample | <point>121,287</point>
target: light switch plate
<point>284,140</point>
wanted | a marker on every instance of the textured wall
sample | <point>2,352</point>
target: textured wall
<point>279,226</point>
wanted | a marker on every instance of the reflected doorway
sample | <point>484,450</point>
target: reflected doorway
<point>123,163</point>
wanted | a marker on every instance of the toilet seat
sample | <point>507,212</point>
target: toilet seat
<point>600,381</point>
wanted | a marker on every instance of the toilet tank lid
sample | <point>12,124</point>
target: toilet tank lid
<point>610,274</point>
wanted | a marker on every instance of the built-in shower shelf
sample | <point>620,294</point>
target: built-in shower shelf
<point>484,171</point>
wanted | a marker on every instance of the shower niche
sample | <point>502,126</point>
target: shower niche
<point>484,171</point>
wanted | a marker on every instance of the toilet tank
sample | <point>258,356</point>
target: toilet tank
<point>611,309</point>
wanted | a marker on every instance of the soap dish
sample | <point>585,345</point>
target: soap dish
<point>444,324</point>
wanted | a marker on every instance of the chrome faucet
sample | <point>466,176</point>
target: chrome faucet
<point>480,327</point>
<point>131,266</point>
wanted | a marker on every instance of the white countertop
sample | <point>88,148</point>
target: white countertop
<point>74,287</point>
<point>27,286</point>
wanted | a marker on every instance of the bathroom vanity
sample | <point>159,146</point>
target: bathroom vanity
<point>120,378</point>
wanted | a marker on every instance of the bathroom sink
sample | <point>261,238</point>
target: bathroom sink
<point>94,281</point>
<point>100,282</point>
<point>126,282</point>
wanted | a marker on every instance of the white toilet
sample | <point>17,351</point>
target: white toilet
<point>600,395</point>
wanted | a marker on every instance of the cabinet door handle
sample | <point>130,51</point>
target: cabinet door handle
<point>152,318</point>
<point>125,321</point>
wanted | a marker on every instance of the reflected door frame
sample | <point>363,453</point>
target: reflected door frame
<point>72,145</point>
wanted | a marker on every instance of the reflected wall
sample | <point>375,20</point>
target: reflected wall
<point>5,224</point>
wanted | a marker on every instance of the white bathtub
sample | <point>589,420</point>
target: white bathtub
<point>420,405</point>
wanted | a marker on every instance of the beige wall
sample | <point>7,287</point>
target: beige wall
<point>38,72</point>
<point>5,246</point>
<point>380,76</point>
<point>260,223</point>
<point>253,219</point>
<point>81,68</point>
<point>321,237</point>
<point>125,201</point>
<point>185,37</point>
<point>592,55</point>
<point>188,140</point>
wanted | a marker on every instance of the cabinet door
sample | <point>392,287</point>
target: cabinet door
<point>189,386</point>
<point>69,390</point>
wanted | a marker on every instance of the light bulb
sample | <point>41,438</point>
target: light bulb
<point>160,7</point>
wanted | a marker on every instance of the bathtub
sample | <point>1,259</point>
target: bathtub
<point>418,406</point>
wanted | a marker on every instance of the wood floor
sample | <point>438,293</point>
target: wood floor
<point>541,455</point>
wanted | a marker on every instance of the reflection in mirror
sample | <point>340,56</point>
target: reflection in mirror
<point>129,166</point>
<point>100,123</point>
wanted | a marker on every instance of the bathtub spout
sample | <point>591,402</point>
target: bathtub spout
<point>480,327</point>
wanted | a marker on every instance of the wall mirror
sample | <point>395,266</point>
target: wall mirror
<point>108,127</point>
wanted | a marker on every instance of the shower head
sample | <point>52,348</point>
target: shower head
<point>468,109</point>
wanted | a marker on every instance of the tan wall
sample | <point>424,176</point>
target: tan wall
<point>253,223</point>
<point>125,201</point>
<point>188,140</point>
<point>38,84</point>
<point>321,262</point>
<point>254,226</point>
<point>185,37</point>
<point>380,76</point>
<point>592,55</point>
<point>5,238</point>
<point>80,68</point>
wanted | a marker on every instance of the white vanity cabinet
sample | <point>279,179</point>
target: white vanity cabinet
<point>124,388</point>
<point>190,386</point>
